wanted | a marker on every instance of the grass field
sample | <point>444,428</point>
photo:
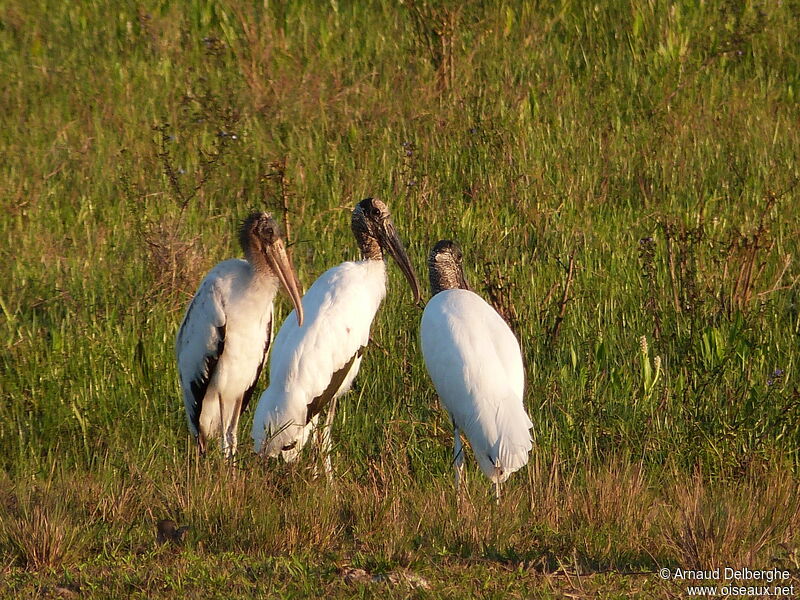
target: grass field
<point>623,179</point>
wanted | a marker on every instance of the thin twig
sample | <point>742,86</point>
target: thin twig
<point>564,299</point>
<point>672,277</point>
<point>283,192</point>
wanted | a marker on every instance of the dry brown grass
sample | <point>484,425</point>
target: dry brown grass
<point>39,528</point>
<point>740,522</point>
<point>575,519</point>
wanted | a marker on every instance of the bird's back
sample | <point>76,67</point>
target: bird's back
<point>475,363</point>
<point>339,308</point>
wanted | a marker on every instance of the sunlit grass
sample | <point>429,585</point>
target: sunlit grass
<point>654,145</point>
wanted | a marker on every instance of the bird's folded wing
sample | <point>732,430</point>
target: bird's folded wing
<point>200,342</point>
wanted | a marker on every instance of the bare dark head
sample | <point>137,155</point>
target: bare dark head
<point>375,232</point>
<point>258,231</point>
<point>263,247</point>
<point>369,216</point>
<point>445,267</point>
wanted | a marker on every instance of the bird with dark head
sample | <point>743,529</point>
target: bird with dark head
<point>375,233</point>
<point>446,268</point>
<point>311,366</point>
<point>226,332</point>
<point>264,249</point>
<point>475,363</point>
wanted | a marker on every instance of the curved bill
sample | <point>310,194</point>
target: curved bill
<point>283,268</point>
<point>391,242</point>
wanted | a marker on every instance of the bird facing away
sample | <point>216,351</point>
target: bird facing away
<point>313,364</point>
<point>227,330</point>
<point>475,363</point>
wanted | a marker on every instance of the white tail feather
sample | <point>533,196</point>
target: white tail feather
<point>502,445</point>
<point>277,426</point>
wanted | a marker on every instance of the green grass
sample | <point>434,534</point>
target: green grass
<point>653,145</point>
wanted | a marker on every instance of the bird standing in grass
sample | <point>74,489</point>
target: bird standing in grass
<point>475,363</point>
<point>226,333</point>
<point>313,364</point>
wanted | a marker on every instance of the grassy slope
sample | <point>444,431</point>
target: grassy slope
<point>656,145</point>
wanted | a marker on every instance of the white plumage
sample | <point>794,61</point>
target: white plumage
<point>226,332</point>
<point>311,366</point>
<point>475,363</point>
<point>339,309</point>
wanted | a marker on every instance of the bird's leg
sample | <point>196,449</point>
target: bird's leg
<point>223,437</point>
<point>325,448</point>
<point>198,444</point>
<point>201,444</point>
<point>458,457</point>
<point>233,442</point>
<point>497,492</point>
<point>233,429</point>
<point>316,443</point>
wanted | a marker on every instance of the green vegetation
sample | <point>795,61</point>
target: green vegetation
<point>623,179</point>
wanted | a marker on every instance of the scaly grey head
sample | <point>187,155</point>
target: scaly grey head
<point>445,267</point>
<point>375,232</point>
<point>263,247</point>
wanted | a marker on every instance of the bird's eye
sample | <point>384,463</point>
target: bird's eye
<point>375,212</point>
<point>267,233</point>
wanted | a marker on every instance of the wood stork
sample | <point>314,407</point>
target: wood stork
<point>227,330</point>
<point>475,363</point>
<point>313,364</point>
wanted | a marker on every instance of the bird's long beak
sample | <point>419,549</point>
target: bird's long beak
<point>284,269</point>
<point>391,242</point>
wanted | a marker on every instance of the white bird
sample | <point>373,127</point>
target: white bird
<point>313,364</point>
<point>475,363</point>
<point>227,329</point>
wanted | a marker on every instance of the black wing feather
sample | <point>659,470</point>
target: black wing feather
<point>199,385</point>
<point>321,401</point>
